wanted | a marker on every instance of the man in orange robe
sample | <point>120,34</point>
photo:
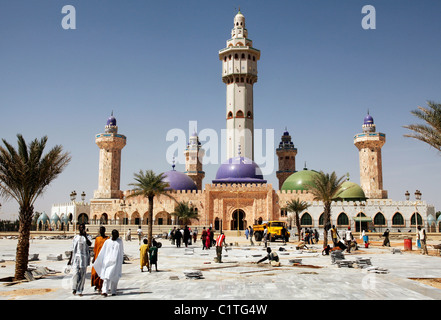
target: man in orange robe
<point>96,281</point>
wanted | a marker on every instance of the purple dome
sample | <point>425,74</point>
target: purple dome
<point>368,119</point>
<point>178,181</point>
<point>239,170</point>
<point>111,121</point>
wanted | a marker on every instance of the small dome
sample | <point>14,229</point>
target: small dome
<point>368,120</point>
<point>111,121</point>
<point>430,220</point>
<point>43,218</point>
<point>178,181</point>
<point>239,170</point>
<point>299,180</point>
<point>55,218</point>
<point>350,191</point>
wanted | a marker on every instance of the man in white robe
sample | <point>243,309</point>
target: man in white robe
<point>108,264</point>
<point>80,259</point>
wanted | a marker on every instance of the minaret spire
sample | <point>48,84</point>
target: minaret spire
<point>239,73</point>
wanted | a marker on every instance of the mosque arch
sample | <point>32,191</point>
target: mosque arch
<point>379,219</point>
<point>397,219</point>
<point>104,219</point>
<point>249,115</point>
<point>238,215</point>
<point>342,219</point>
<point>416,219</point>
<point>216,224</point>
<point>321,219</point>
<point>230,115</point>
<point>306,220</point>
<point>163,218</point>
<point>83,218</point>
<point>135,218</point>
<point>239,114</point>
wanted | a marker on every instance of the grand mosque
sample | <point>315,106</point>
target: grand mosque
<point>239,195</point>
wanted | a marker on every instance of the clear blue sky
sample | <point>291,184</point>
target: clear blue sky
<point>155,64</point>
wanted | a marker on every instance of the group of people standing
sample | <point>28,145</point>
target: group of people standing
<point>107,261</point>
<point>309,235</point>
<point>185,236</point>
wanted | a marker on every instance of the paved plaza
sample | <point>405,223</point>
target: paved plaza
<point>238,277</point>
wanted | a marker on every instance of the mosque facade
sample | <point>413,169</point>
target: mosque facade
<point>239,195</point>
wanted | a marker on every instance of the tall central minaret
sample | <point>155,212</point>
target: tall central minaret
<point>239,73</point>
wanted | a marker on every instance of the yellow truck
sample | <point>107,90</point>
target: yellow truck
<point>274,230</point>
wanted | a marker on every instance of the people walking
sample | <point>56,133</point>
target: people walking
<point>96,281</point>
<point>108,265</point>
<point>265,236</point>
<point>386,241</point>
<point>335,236</point>
<point>348,239</point>
<point>220,242</point>
<point>204,238</point>
<point>178,237</point>
<point>153,255</point>
<point>144,255</point>
<point>423,238</point>
<point>251,235</point>
<point>80,259</point>
<point>187,236</point>
<point>208,239</point>
<point>139,232</point>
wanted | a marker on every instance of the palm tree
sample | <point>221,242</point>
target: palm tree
<point>325,187</point>
<point>297,206</point>
<point>429,133</point>
<point>24,175</point>
<point>148,185</point>
<point>185,212</point>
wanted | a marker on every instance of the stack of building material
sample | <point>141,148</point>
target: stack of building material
<point>377,270</point>
<point>189,251</point>
<point>344,263</point>
<point>193,274</point>
<point>54,257</point>
<point>336,256</point>
<point>363,262</point>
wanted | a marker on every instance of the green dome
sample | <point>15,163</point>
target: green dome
<point>299,180</point>
<point>350,191</point>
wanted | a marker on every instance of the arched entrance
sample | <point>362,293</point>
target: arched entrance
<point>238,215</point>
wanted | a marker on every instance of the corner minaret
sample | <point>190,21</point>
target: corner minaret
<point>110,144</point>
<point>193,161</point>
<point>239,73</point>
<point>369,144</point>
<point>286,153</point>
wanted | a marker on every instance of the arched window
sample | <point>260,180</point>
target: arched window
<point>283,213</point>
<point>397,219</point>
<point>379,219</point>
<point>249,115</point>
<point>418,219</point>
<point>321,219</point>
<point>254,58</point>
<point>342,219</point>
<point>239,114</point>
<point>236,56</point>
<point>229,57</point>
<point>230,115</point>
<point>225,58</point>
<point>306,219</point>
<point>243,56</point>
<point>249,57</point>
